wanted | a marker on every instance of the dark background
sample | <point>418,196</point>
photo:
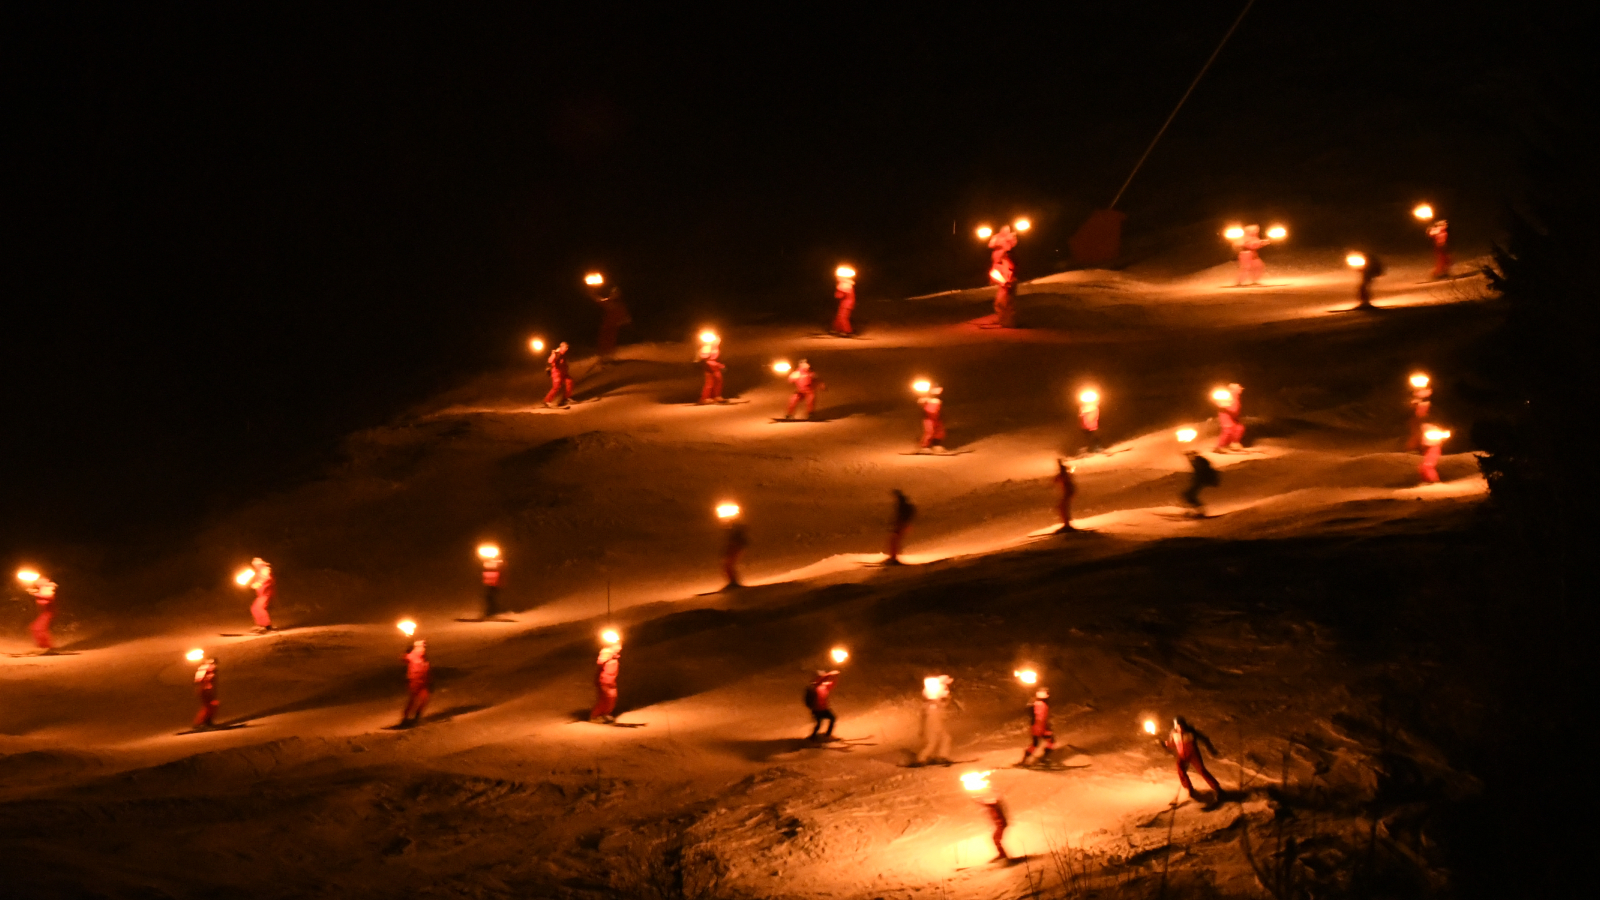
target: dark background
<point>236,234</point>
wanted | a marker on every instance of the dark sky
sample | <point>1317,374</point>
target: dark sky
<point>238,232</point>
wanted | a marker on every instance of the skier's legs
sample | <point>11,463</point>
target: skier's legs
<point>41,628</point>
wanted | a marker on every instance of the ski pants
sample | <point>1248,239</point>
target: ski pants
<point>559,387</point>
<point>258,610</point>
<point>1430,464</point>
<point>605,699</point>
<point>208,709</point>
<point>712,389</point>
<point>416,701</point>
<point>818,715</point>
<point>1200,766</point>
<point>794,401</point>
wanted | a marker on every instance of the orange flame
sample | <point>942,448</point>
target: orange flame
<point>195,655</point>
<point>1027,676</point>
<point>1233,232</point>
<point>1355,260</point>
<point>1419,380</point>
<point>244,577</point>
<point>610,636</point>
<point>708,337</point>
<point>922,385</point>
<point>594,278</point>
<point>1089,396</point>
<point>27,576</point>
<point>844,272</point>
<point>1277,232</point>
<point>407,627</point>
<point>839,655</point>
<point>727,511</point>
<point>984,232</point>
<point>1423,212</point>
<point>488,551</point>
<point>1149,726</point>
<point>1185,435</point>
<point>536,345</point>
<point>782,367</point>
<point>1022,224</point>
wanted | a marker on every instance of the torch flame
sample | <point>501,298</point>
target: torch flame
<point>1027,676</point>
<point>488,551</point>
<point>1423,212</point>
<point>407,627</point>
<point>594,278</point>
<point>1022,224</point>
<point>1089,397</point>
<point>536,345</point>
<point>195,655</point>
<point>244,577</point>
<point>1149,726</point>
<point>1185,435</point>
<point>997,276</point>
<point>1437,434</point>
<point>844,272</point>
<point>610,636</point>
<point>1221,395</point>
<point>1419,380</point>
<point>984,232</point>
<point>782,367</point>
<point>708,337</point>
<point>27,576</point>
<point>1277,232</point>
<point>727,511</point>
<point>975,782</point>
<point>1233,232</point>
<point>839,655</point>
<point>922,385</point>
<point>1355,260</point>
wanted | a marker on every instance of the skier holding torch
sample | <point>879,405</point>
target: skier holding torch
<point>1043,739</point>
<point>1433,438</point>
<point>1202,475</point>
<point>258,577</point>
<point>935,736</point>
<point>932,405</point>
<point>977,787</point>
<point>735,540</point>
<point>1421,403</point>
<point>1184,744</point>
<point>606,667</point>
<point>1003,271</point>
<point>818,694</point>
<point>43,591</point>
<point>1089,419</point>
<point>560,377</point>
<point>806,384</point>
<point>1370,268</point>
<point>844,291</point>
<point>1247,242</point>
<point>1230,423</point>
<point>613,315</point>
<point>419,677</point>
<point>709,360</point>
<point>491,561</point>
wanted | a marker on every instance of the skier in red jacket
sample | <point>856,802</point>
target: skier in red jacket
<point>1433,438</point>
<point>613,314</point>
<point>711,364</point>
<point>1230,423</point>
<point>1251,268</point>
<point>560,377</point>
<point>1089,419</point>
<point>205,684</point>
<point>606,667</point>
<point>844,291</point>
<point>1003,272</point>
<point>265,586</point>
<point>489,557</point>
<point>977,785</point>
<point>817,694</point>
<point>904,513</point>
<point>43,591</point>
<point>1421,404</point>
<point>1043,739</point>
<point>418,683</point>
<point>1069,489</point>
<point>932,418</point>
<point>1184,743</point>
<point>1440,232</point>
<point>806,384</point>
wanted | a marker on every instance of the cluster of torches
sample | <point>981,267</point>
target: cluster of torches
<point>984,232</point>
<point>1354,259</point>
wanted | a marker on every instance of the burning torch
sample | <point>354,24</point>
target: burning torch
<point>1185,435</point>
<point>1150,726</point>
<point>839,655</point>
<point>782,367</point>
<point>727,512</point>
<point>611,637</point>
<point>1419,381</point>
<point>1277,232</point>
<point>1355,260</point>
<point>28,576</point>
<point>1021,225</point>
<point>1423,212</point>
<point>195,655</point>
<point>844,273</point>
<point>922,386</point>
<point>536,345</point>
<point>1222,396</point>
<point>1234,232</point>
<point>984,232</point>
<point>594,279</point>
<point>1028,676</point>
<point>407,627</point>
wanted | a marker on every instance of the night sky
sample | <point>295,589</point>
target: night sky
<point>236,234</point>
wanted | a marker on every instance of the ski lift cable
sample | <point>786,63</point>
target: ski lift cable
<point>1185,98</point>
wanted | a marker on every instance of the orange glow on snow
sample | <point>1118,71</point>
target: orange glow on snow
<point>1089,397</point>
<point>1277,232</point>
<point>536,345</point>
<point>610,636</point>
<point>976,781</point>
<point>839,655</point>
<point>488,551</point>
<point>1149,726</point>
<point>407,627</point>
<point>844,272</point>
<point>195,655</point>
<point>1022,224</point>
<point>1355,260</point>
<point>1233,232</point>
<point>727,511</point>
<point>922,385</point>
<point>1027,676</point>
<point>984,232</point>
<point>1423,212</point>
<point>27,576</point>
<point>1185,435</point>
<point>1419,380</point>
<point>594,278</point>
<point>782,367</point>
